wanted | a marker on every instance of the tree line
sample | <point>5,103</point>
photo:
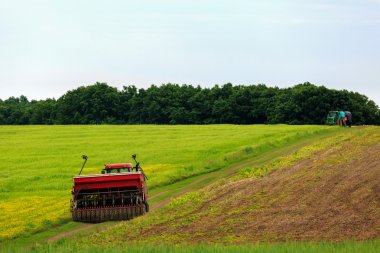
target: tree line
<point>185,104</point>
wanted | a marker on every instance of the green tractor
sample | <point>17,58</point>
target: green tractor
<point>332,118</point>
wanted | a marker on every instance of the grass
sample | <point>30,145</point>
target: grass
<point>154,228</point>
<point>38,162</point>
<point>287,247</point>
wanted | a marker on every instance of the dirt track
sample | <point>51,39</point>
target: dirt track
<point>334,196</point>
<point>71,232</point>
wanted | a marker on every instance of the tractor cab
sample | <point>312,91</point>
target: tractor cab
<point>332,118</point>
<point>117,168</point>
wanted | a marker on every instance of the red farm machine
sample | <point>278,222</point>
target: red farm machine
<point>119,193</point>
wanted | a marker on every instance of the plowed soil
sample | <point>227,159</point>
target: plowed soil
<point>333,196</point>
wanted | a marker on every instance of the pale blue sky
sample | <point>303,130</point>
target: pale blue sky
<point>49,47</point>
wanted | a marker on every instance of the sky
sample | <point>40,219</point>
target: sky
<point>50,47</point>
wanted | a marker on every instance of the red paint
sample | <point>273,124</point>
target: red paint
<point>108,181</point>
<point>118,165</point>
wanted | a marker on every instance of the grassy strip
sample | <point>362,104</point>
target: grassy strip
<point>294,247</point>
<point>41,235</point>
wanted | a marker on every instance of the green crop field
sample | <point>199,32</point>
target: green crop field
<point>37,163</point>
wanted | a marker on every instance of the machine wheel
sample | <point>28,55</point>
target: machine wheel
<point>110,213</point>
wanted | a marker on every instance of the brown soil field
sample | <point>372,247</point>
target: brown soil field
<point>332,196</point>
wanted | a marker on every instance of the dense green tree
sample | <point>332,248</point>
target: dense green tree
<point>95,104</point>
<point>42,112</point>
<point>185,104</point>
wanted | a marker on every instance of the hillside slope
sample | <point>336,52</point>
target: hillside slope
<point>333,196</point>
<point>327,191</point>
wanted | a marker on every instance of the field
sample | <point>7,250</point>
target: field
<point>38,162</point>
